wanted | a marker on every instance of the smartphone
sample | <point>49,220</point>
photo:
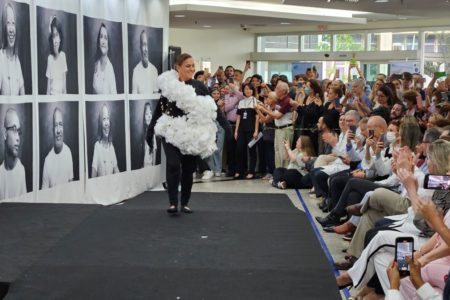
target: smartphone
<point>404,247</point>
<point>353,129</point>
<point>371,132</point>
<point>300,84</point>
<point>436,182</point>
<point>230,80</point>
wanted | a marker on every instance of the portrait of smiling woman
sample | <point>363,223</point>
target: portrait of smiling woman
<point>103,56</point>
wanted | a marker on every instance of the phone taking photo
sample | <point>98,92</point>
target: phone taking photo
<point>436,182</point>
<point>404,247</point>
<point>353,129</point>
<point>371,132</point>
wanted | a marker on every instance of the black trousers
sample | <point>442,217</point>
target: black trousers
<point>337,184</point>
<point>231,152</point>
<point>292,177</point>
<point>179,167</point>
<point>353,193</point>
<point>320,182</point>
<point>241,153</point>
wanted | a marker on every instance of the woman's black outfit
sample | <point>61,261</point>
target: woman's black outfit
<point>180,167</point>
<point>307,118</point>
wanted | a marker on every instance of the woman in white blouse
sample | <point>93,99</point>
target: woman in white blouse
<point>104,79</point>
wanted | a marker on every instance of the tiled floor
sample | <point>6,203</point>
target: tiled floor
<point>334,242</point>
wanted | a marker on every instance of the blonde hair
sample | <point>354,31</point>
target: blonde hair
<point>273,95</point>
<point>439,156</point>
<point>307,147</point>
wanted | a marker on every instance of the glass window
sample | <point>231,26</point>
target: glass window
<point>348,42</point>
<point>279,43</point>
<point>393,41</point>
<point>316,42</point>
<point>280,69</point>
<point>437,42</point>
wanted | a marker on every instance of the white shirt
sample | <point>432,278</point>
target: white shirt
<point>425,292</point>
<point>56,68</point>
<point>11,78</point>
<point>104,80</point>
<point>12,182</point>
<point>144,79</point>
<point>104,160</point>
<point>58,168</point>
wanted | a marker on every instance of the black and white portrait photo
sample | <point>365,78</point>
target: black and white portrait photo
<point>58,143</point>
<point>15,53</point>
<point>56,52</point>
<point>105,137</point>
<point>103,55</point>
<point>141,112</point>
<point>16,150</point>
<point>144,58</point>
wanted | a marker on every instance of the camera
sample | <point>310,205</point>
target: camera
<point>244,27</point>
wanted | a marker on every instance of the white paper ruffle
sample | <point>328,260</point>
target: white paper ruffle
<point>195,132</point>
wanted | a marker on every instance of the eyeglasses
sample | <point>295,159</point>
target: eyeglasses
<point>15,129</point>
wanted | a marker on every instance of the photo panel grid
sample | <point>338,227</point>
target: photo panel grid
<point>144,58</point>
<point>16,150</point>
<point>141,112</point>
<point>105,137</point>
<point>15,53</point>
<point>59,161</point>
<point>103,56</point>
<point>57,52</point>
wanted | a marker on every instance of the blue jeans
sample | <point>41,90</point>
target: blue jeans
<point>215,160</point>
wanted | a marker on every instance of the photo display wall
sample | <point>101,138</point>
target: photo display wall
<point>77,93</point>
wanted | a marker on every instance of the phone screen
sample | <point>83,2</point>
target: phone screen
<point>353,129</point>
<point>437,182</point>
<point>404,247</point>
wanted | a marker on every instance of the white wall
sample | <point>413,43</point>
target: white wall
<point>221,47</point>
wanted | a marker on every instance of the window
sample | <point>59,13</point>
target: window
<point>313,43</point>
<point>280,43</point>
<point>437,42</point>
<point>349,42</point>
<point>393,41</point>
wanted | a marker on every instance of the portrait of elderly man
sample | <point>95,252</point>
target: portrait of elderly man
<point>58,164</point>
<point>12,172</point>
<point>145,73</point>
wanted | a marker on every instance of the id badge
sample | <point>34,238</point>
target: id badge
<point>244,115</point>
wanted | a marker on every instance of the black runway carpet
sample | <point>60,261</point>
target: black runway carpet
<point>235,246</point>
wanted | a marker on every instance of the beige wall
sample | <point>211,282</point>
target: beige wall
<point>221,47</point>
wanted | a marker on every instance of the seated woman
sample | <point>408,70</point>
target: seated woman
<point>433,254</point>
<point>293,176</point>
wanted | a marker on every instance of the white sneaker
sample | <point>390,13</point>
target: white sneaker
<point>207,175</point>
<point>218,174</point>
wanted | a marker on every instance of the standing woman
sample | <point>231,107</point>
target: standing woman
<point>247,127</point>
<point>104,161</point>
<point>104,79</point>
<point>56,61</point>
<point>11,77</point>
<point>185,119</point>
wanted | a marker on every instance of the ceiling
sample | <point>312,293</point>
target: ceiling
<point>203,14</point>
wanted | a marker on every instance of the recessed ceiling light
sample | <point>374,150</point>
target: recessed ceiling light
<point>402,18</point>
<point>381,1</point>
<point>179,16</point>
<point>207,26</point>
<point>285,23</point>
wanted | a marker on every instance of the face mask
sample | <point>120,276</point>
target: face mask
<point>307,91</point>
<point>390,136</point>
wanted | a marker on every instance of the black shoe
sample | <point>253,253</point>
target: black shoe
<point>172,210</point>
<point>329,229</point>
<point>186,210</point>
<point>4,287</point>
<point>330,220</point>
<point>345,265</point>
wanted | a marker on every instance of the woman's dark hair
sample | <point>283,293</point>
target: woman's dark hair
<point>386,90</point>
<point>315,86</point>
<point>100,124</point>
<point>337,91</point>
<point>395,98</point>
<point>410,134</point>
<point>410,96</point>
<point>98,53</point>
<point>250,86</point>
<point>145,126</point>
<point>55,24</point>
<point>198,73</point>
<point>181,58</point>
<point>5,31</point>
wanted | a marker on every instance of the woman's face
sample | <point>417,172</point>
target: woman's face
<point>103,41</point>
<point>248,92</point>
<point>147,115</point>
<point>105,121</point>
<point>394,129</point>
<point>187,69</point>
<point>331,94</point>
<point>298,145</point>
<point>382,99</point>
<point>56,39</point>
<point>342,122</point>
<point>216,95</point>
<point>398,84</point>
<point>377,85</point>
<point>11,26</point>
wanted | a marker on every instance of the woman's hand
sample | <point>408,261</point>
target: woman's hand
<point>407,179</point>
<point>430,213</point>
<point>358,174</point>
<point>393,275</point>
<point>255,135</point>
<point>414,272</point>
<point>236,135</point>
